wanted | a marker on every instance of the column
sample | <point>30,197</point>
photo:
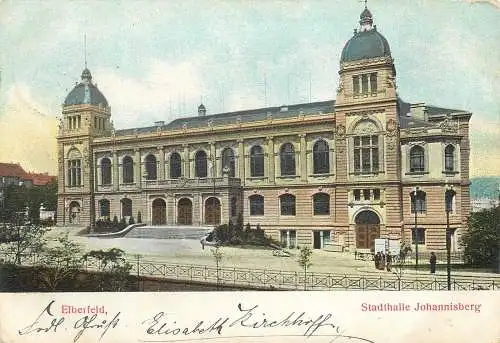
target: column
<point>270,157</point>
<point>161,159</point>
<point>137,168</point>
<point>241,159</point>
<point>115,171</point>
<point>303,157</point>
<point>213,159</point>
<point>186,160</point>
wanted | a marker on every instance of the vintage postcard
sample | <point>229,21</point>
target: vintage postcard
<point>249,171</point>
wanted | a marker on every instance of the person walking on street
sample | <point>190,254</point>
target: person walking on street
<point>377,260</point>
<point>432,262</point>
<point>389,262</point>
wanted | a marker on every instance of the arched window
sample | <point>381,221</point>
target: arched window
<point>449,158</point>
<point>175,166</point>
<point>228,161</point>
<point>256,161</point>
<point>128,169</point>
<point>200,166</point>
<point>256,205</point>
<point>287,205</point>
<point>105,171</point>
<point>287,159</point>
<point>321,204</point>
<point>74,168</point>
<point>104,208</point>
<point>321,157</point>
<point>126,207</point>
<point>150,166</point>
<point>417,159</point>
<point>418,201</point>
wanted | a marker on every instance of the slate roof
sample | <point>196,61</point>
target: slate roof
<point>365,44</point>
<point>86,93</point>
<point>433,111</point>
<point>244,116</point>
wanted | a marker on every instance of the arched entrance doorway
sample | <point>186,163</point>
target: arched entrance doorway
<point>367,229</point>
<point>212,211</point>
<point>159,216</point>
<point>74,212</point>
<point>185,212</point>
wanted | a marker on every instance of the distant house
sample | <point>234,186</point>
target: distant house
<point>478,205</point>
<point>14,174</point>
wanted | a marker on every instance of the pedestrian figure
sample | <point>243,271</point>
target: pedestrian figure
<point>382,261</point>
<point>376,258</point>
<point>432,262</point>
<point>389,262</point>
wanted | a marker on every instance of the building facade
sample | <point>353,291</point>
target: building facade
<point>333,173</point>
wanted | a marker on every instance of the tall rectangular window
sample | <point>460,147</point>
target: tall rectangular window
<point>74,173</point>
<point>364,83</point>
<point>373,83</point>
<point>418,235</point>
<point>355,84</point>
<point>366,154</point>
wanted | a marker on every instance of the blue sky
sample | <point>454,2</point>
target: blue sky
<point>155,60</point>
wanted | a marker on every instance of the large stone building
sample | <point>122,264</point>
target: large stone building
<point>340,172</point>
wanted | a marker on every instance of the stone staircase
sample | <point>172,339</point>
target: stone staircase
<point>169,232</point>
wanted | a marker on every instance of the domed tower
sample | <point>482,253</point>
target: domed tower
<point>85,115</point>
<point>367,133</point>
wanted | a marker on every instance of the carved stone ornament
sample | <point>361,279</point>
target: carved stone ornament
<point>340,131</point>
<point>391,81</point>
<point>448,125</point>
<point>391,143</point>
<point>340,87</point>
<point>184,126</point>
<point>365,127</point>
<point>392,125</point>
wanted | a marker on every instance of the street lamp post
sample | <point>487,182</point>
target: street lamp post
<point>448,208</point>
<point>415,192</point>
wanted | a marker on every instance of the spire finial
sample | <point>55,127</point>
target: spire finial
<point>85,48</point>
<point>366,3</point>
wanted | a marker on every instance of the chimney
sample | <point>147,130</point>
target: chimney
<point>202,111</point>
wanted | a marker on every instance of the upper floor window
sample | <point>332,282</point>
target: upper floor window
<point>321,157</point>
<point>321,204</point>
<point>364,84</point>
<point>228,161</point>
<point>200,164</point>
<point>175,166</point>
<point>449,158</point>
<point>74,173</point>
<point>256,161</point>
<point>366,154</point>
<point>150,164</point>
<point>418,201</point>
<point>256,205</point>
<point>128,169</point>
<point>417,160</point>
<point>287,205</point>
<point>74,122</point>
<point>287,159</point>
<point>418,235</point>
<point>105,171</point>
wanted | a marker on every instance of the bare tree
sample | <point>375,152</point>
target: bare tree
<point>22,239</point>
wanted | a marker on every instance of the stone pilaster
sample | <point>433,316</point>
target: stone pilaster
<point>303,157</point>
<point>137,168</point>
<point>115,171</point>
<point>213,159</point>
<point>270,157</point>
<point>186,161</point>
<point>241,159</point>
<point>161,159</point>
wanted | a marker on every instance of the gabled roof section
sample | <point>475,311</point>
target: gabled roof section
<point>433,111</point>
<point>12,170</point>
<point>245,116</point>
<point>409,118</point>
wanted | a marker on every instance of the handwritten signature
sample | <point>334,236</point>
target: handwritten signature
<point>47,321</point>
<point>160,325</point>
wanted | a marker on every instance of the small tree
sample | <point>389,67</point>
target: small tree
<point>115,221</point>
<point>24,239</point>
<point>113,267</point>
<point>305,262</point>
<point>218,255</point>
<point>139,217</point>
<point>131,221</point>
<point>62,262</point>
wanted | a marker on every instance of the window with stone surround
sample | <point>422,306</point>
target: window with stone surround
<point>74,172</point>
<point>128,169</point>
<point>287,160</point>
<point>417,159</point>
<point>175,166</point>
<point>256,161</point>
<point>287,205</point>
<point>418,201</point>
<point>449,158</point>
<point>126,207</point>
<point>418,235</point>
<point>104,208</point>
<point>321,157</point>
<point>321,204</point>
<point>105,171</point>
<point>256,205</point>
<point>200,164</point>
<point>288,238</point>
<point>364,84</point>
<point>366,154</point>
<point>150,167</point>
